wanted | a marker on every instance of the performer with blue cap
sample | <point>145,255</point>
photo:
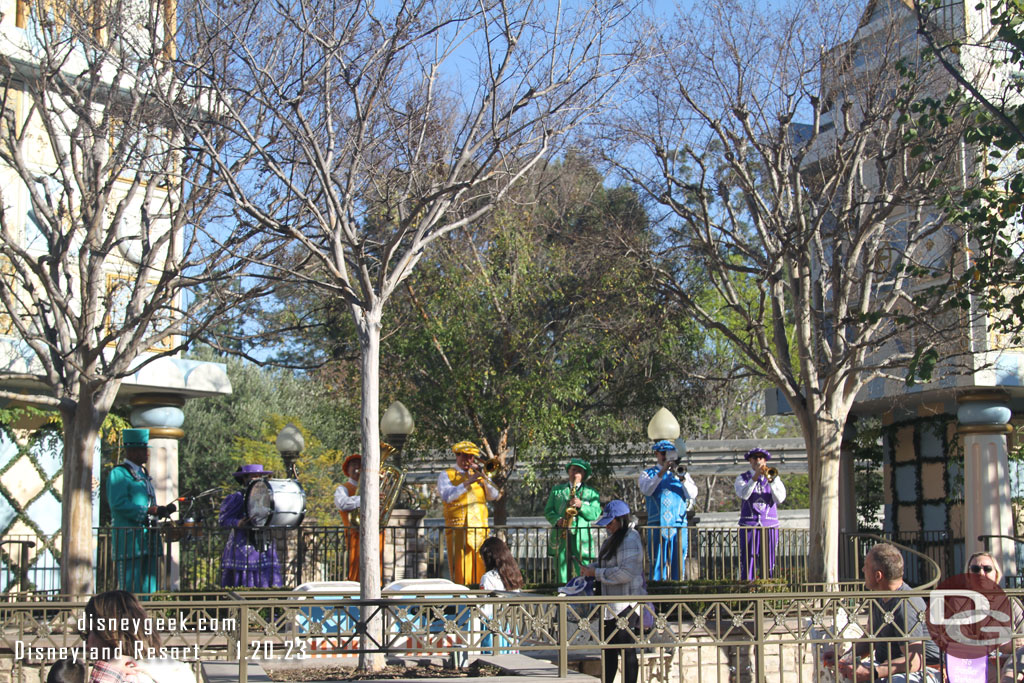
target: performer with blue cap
<point>133,511</point>
<point>668,496</point>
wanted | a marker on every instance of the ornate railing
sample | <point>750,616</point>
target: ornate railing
<point>320,553</point>
<point>746,637</point>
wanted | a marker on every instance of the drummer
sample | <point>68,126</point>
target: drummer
<point>250,558</point>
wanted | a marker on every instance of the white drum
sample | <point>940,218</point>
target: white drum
<point>275,503</point>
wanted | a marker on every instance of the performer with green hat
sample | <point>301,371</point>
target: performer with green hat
<point>571,509</point>
<point>133,510</point>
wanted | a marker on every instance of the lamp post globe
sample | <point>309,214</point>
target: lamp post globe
<point>663,425</point>
<point>290,444</point>
<point>397,424</point>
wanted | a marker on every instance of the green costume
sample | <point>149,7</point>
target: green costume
<point>136,548</point>
<point>581,540</point>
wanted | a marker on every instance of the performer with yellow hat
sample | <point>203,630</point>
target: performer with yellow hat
<point>464,490</point>
<point>346,499</point>
<point>571,542</point>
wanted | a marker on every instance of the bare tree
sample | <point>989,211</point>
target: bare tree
<point>381,128</point>
<point>814,236</point>
<point>103,224</point>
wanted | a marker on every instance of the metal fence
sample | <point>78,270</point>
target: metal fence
<point>712,637</point>
<point>320,553</point>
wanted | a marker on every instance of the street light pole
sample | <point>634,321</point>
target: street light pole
<point>397,424</point>
<point>290,445</point>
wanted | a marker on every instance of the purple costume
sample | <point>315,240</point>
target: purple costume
<point>759,510</point>
<point>244,563</point>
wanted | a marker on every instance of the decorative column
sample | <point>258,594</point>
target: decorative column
<point>984,418</point>
<point>162,415</point>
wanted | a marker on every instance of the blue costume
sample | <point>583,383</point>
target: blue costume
<point>667,501</point>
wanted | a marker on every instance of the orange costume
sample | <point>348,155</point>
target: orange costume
<point>346,499</point>
<point>465,516</point>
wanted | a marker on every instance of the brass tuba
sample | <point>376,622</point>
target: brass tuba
<point>391,480</point>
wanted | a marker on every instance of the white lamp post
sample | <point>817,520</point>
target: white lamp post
<point>290,444</point>
<point>663,425</point>
<point>397,424</point>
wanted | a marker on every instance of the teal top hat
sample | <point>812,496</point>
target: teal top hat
<point>134,437</point>
<point>582,464</point>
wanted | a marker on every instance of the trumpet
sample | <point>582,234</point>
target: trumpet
<point>679,467</point>
<point>770,473</point>
<point>487,467</point>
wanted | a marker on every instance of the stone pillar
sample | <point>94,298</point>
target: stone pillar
<point>404,544</point>
<point>983,418</point>
<point>162,415</point>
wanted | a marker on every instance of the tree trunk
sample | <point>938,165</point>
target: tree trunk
<point>368,323</point>
<point>823,444</point>
<point>81,426</point>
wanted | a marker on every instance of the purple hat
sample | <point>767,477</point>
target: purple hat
<point>614,508</point>
<point>758,451</point>
<point>246,470</point>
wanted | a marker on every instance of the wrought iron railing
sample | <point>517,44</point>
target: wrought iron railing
<point>712,637</point>
<point>320,553</point>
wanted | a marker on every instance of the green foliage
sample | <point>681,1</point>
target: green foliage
<point>990,208</point>
<point>538,330</point>
<point>224,432</point>
<point>868,481</point>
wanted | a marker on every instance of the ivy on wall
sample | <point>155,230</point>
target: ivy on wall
<point>934,429</point>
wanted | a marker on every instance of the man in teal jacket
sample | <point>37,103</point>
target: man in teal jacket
<point>572,542</point>
<point>133,509</point>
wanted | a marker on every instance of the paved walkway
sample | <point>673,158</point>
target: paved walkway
<point>527,670</point>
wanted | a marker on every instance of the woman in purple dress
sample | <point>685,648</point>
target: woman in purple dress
<point>759,514</point>
<point>250,558</point>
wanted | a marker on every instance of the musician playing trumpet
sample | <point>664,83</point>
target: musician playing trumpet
<point>465,490</point>
<point>761,490</point>
<point>669,490</point>
<point>571,508</point>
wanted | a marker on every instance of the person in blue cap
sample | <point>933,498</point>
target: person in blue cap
<point>620,571</point>
<point>133,511</point>
<point>571,542</point>
<point>668,497</point>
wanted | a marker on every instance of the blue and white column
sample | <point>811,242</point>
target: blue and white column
<point>984,418</point>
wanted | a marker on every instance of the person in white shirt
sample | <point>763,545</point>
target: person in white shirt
<point>668,498</point>
<point>346,500</point>
<point>465,490</point>
<point>502,576</point>
<point>759,514</point>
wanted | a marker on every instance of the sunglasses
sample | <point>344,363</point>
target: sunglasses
<point>979,568</point>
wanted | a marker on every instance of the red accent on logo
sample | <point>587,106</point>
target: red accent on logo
<point>969,616</point>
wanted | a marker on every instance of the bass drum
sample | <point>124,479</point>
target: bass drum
<point>275,503</point>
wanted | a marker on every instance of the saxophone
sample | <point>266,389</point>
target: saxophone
<point>571,511</point>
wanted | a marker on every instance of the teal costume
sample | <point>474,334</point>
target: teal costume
<point>136,547</point>
<point>581,540</point>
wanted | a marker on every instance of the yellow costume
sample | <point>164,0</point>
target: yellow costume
<point>466,522</point>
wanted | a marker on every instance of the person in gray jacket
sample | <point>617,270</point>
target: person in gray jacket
<point>620,571</point>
